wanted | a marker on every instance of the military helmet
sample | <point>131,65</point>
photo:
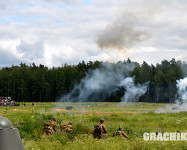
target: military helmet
<point>120,128</point>
<point>5,123</point>
<point>54,119</point>
<point>70,123</point>
<point>101,120</point>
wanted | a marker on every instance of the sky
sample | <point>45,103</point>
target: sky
<point>55,32</point>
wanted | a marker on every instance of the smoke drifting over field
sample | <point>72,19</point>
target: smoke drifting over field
<point>133,92</point>
<point>122,33</point>
<point>181,102</point>
<point>101,83</point>
<point>182,89</point>
<point>182,92</point>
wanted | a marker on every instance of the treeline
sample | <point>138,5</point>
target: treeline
<point>39,83</point>
<point>31,83</point>
<point>162,80</point>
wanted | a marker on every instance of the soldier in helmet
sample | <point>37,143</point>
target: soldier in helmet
<point>105,131</point>
<point>120,132</point>
<point>50,126</point>
<point>100,130</point>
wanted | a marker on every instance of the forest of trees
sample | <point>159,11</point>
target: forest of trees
<point>31,83</point>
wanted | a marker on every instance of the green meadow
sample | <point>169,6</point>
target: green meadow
<point>135,118</point>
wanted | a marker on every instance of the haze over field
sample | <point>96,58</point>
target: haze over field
<point>69,31</point>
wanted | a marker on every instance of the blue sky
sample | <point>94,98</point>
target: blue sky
<point>87,2</point>
<point>54,32</point>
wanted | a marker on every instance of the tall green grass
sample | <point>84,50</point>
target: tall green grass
<point>133,124</point>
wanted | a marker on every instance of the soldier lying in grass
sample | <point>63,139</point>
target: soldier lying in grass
<point>50,126</point>
<point>66,127</point>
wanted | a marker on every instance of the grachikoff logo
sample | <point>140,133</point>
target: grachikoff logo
<point>165,136</point>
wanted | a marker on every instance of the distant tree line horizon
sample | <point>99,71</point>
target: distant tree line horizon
<point>32,83</point>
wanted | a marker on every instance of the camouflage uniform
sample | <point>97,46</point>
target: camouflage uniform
<point>66,127</point>
<point>121,133</point>
<point>50,127</point>
<point>100,130</point>
<point>105,131</point>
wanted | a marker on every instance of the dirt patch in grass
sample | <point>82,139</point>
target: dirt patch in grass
<point>97,112</point>
<point>1,114</point>
<point>19,110</point>
<point>62,110</point>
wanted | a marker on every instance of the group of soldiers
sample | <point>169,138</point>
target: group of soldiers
<point>51,125</point>
<point>100,130</point>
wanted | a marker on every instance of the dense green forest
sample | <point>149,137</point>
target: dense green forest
<point>31,83</point>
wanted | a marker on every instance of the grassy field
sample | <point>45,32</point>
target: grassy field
<point>135,118</point>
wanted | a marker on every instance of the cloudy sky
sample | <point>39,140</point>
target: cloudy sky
<point>54,32</point>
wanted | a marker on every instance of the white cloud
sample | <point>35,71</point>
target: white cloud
<point>64,31</point>
<point>31,51</point>
<point>155,56</point>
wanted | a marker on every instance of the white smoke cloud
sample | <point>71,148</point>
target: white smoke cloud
<point>182,89</point>
<point>105,81</point>
<point>133,92</point>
